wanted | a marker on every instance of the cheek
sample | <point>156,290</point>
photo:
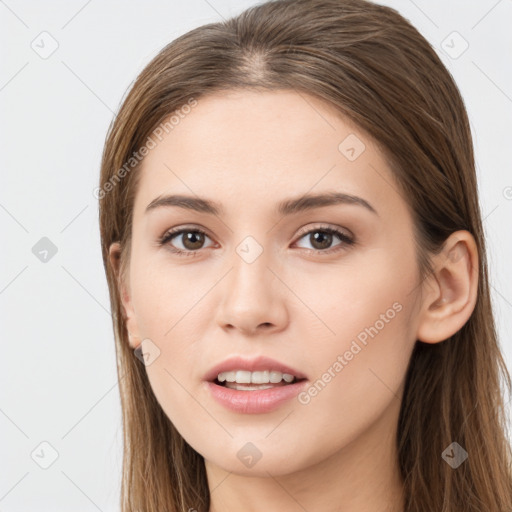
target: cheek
<point>169,306</point>
<point>346,299</point>
<point>362,355</point>
<point>161,296</point>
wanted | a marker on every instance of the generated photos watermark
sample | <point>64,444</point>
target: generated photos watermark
<point>156,136</point>
<point>357,345</point>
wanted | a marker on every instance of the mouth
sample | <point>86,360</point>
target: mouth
<point>255,385</point>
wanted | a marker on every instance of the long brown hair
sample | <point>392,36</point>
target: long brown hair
<point>374,67</point>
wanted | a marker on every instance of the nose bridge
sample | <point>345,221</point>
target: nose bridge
<point>250,296</point>
<point>250,278</point>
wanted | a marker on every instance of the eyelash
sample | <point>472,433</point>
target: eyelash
<point>345,239</point>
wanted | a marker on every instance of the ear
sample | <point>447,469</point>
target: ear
<point>450,293</point>
<point>125,294</point>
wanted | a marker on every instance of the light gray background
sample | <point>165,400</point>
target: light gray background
<point>59,381</point>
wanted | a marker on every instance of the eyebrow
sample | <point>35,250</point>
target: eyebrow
<point>286,207</point>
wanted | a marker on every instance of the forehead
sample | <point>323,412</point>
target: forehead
<point>249,147</point>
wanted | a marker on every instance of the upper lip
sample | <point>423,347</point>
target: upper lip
<point>252,365</point>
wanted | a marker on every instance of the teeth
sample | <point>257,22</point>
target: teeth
<point>245,377</point>
<point>245,387</point>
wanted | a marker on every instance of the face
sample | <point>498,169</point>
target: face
<point>327,290</point>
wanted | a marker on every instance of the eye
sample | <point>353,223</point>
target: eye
<point>191,243</point>
<point>321,238</point>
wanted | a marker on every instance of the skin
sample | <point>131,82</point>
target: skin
<point>248,151</point>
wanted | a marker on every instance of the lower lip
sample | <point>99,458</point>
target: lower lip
<point>254,402</point>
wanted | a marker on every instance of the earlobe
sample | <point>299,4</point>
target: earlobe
<point>451,291</point>
<point>125,294</point>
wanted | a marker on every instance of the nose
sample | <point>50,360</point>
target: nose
<point>252,298</point>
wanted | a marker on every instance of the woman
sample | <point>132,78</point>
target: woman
<point>294,249</point>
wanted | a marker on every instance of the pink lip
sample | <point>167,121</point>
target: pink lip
<point>254,402</point>
<point>252,365</point>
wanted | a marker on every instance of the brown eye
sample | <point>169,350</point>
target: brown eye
<point>191,241</point>
<point>321,239</point>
